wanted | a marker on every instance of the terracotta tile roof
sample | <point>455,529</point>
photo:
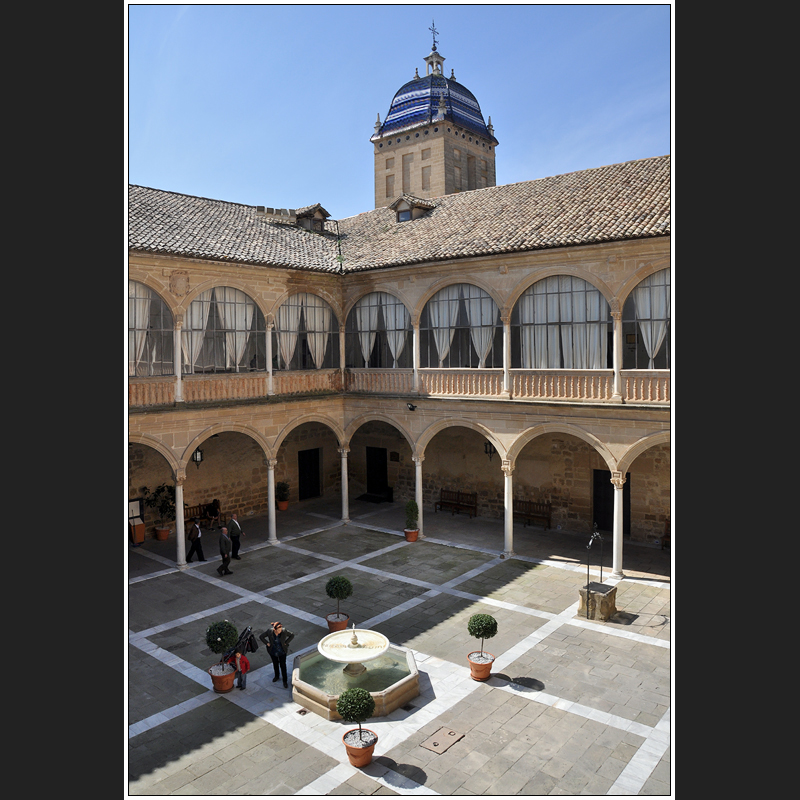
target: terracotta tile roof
<point>612,203</point>
<point>196,227</point>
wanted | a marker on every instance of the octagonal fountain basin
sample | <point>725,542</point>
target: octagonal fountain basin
<point>388,672</point>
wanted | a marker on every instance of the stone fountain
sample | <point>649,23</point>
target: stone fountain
<point>389,673</point>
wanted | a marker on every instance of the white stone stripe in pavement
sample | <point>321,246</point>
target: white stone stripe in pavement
<point>632,779</point>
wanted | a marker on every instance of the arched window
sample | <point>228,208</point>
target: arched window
<point>224,331</point>
<point>150,333</point>
<point>460,327</point>
<point>378,333</point>
<point>561,322</point>
<point>306,334</point>
<point>646,324</point>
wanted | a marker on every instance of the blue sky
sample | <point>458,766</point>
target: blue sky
<point>274,105</point>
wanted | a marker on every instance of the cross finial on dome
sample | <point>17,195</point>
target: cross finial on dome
<point>433,30</point>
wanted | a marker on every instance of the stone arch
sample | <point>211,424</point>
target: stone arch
<point>353,426</point>
<point>302,420</point>
<point>642,272</point>
<point>194,293</point>
<point>321,292</point>
<point>394,292</point>
<point>556,427</point>
<point>639,447</point>
<point>156,444</point>
<point>480,282</point>
<point>225,428</point>
<point>549,272</point>
<point>427,435</point>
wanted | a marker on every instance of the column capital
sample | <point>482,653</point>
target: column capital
<point>271,462</point>
<point>343,451</point>
<point>618,479</point>
<point>507,467</point>
<point>417,459</point>
<point>180,476</point>
<point>616,315</point>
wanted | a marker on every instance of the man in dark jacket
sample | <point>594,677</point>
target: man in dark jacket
<point>277,641</point>
<point>225,551</point>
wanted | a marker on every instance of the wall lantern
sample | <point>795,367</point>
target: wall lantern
<point>489,449</point>
<point>197,457</point>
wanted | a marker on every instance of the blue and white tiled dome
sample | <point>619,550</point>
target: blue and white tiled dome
<point>433,98</point>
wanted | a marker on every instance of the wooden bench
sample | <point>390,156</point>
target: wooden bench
<point>199,511</point>
<point>533,511</point>
<point>457,501</point>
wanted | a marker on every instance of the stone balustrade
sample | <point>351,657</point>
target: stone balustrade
<point>638,386</point>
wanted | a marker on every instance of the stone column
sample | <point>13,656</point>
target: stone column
<point>418,489</point>
<point>180,523</point>
<point>618,480</point>
<point>176,358</point>
<point>343,451</point>
<point>617,393</point>
<point>416,373</point>
<point>506,356</point>
<point>508,502</point>
<point>270,384</point>
<point>273,537</point>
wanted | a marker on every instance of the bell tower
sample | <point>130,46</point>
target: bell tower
<point>433,140</point>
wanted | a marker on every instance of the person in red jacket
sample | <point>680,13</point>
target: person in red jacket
<point>242,664</point>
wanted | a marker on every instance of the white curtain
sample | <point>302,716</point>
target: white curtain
<point>482,316</point>
<point>318,322</point>
<point>138,319</point>
<point>287,327</point>
<point>526,320</point>
<point>442,313</point>
<point>194,330</point>
<point>566,300</point>
<point>596,330</point>
<point>396,318</point>
<point>236,315</point>
<point>367,324</point>
<point>651,300</point>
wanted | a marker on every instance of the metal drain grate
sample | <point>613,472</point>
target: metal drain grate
<point>442,740</point>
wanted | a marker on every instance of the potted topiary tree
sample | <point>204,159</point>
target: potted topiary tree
<point>357,705</point>
<point>411,531</point>
<point>282,495</point>
<point>162,499</point>
<point>221,637</point>
<point>338,588</point>
<point>481,626</point>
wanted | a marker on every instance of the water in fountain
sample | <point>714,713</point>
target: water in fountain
<point>381,672</point>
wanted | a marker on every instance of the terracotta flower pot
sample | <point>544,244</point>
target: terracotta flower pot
<point>478,670</point>
<point>283,505</point>
<point>222,683</point>
<point>360,756</point>
<point>162,534</point>
<point>337,622</point>
<point>411,535</point>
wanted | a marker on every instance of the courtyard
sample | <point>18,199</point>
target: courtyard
<point>573,706</point>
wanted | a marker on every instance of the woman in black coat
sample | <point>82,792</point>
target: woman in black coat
<point>277,639</point>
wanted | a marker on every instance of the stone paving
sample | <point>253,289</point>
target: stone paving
<point>573,707</point>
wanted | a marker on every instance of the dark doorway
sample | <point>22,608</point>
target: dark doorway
<point>378,474</point>
<point>308,473</point>
<point>603,505</point>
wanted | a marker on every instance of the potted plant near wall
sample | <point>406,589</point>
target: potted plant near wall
<point>282,495</point>
<point>338,588</point>
<point>221,637</point>
<point>411,531</point>
<point>481,626</point>
<point>357,705</point>
<point>162,499</point>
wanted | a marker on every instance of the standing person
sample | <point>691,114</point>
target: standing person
<point>277,641</point>
<point>235,531</point>
<point>225,547</point>
<point>239,660</point>
<point>213,513</point>
<point>195,534</point>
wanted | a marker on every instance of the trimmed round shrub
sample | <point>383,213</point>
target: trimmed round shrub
<point>482,626</point>
<point>355,705</point>
<point>338,588</point>
<point>221,636</point>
